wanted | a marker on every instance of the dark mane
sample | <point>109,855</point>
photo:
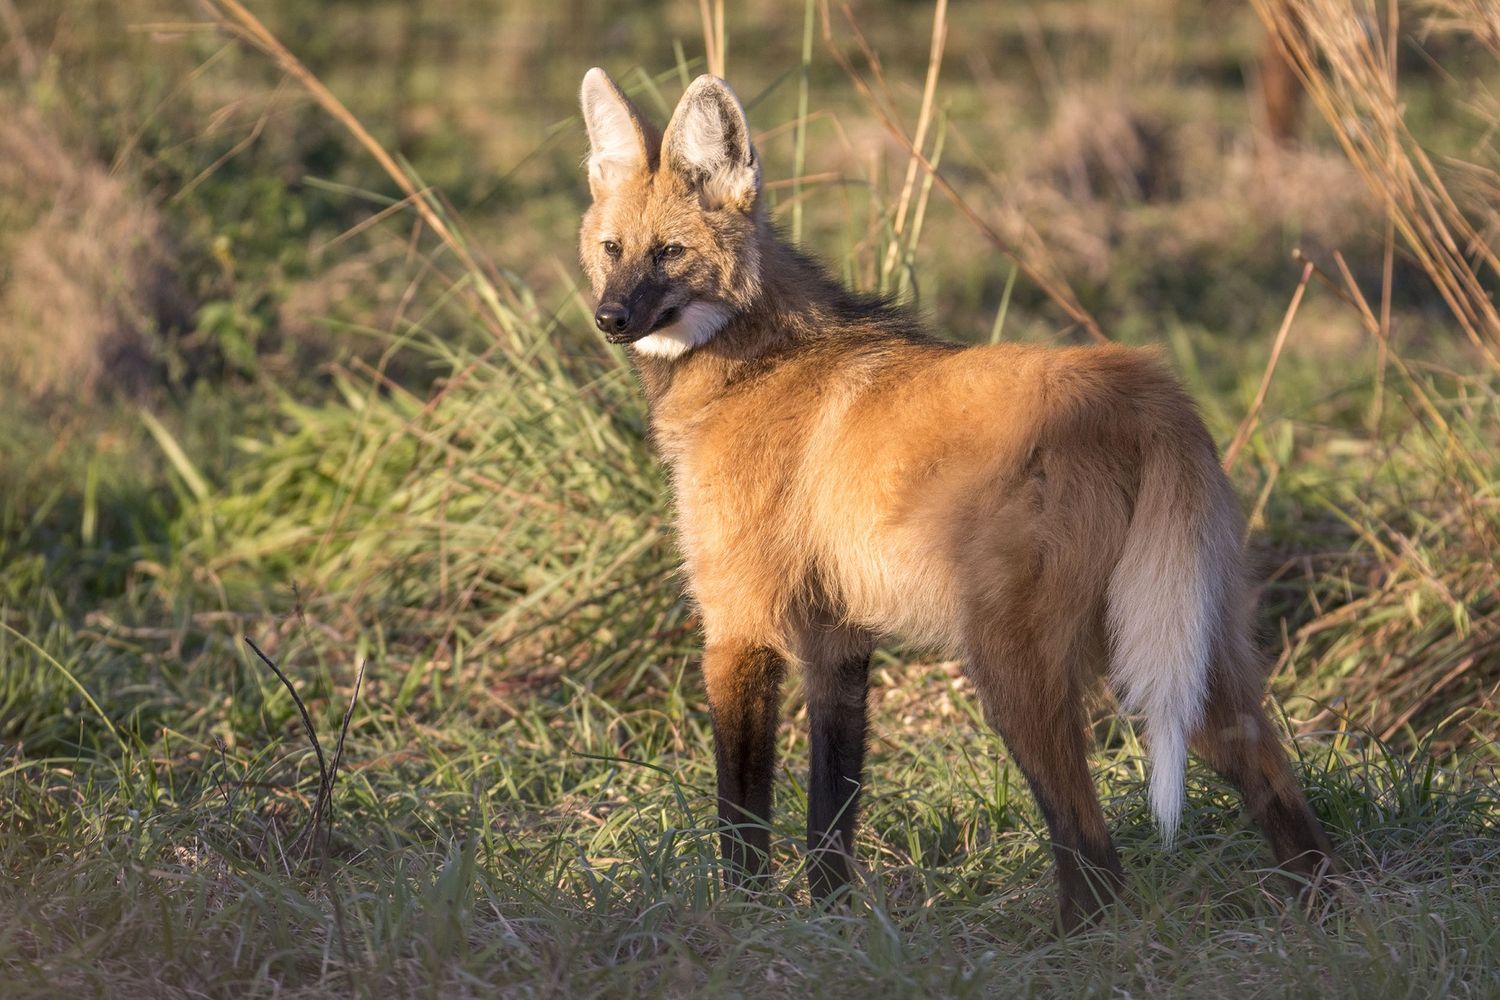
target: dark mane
<point>842,312</point>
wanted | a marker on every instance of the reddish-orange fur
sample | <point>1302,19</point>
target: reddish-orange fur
<point>840,477</point>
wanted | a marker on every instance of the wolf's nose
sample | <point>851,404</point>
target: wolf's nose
<point>612,317</point>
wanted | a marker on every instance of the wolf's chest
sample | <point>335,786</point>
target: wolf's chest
<point>741,530</point>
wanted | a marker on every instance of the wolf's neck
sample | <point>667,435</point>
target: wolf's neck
<point>798,305</point>
<point>794,286</point>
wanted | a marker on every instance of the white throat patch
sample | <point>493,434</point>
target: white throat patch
<point>697,325</point>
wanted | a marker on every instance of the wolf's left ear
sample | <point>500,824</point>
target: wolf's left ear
<point>708,144</point>
<point>620,141</point>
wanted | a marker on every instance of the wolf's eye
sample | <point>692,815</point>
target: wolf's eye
<point>612,248</point>
<point>671,250</point>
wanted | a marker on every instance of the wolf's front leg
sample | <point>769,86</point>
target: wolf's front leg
<point>744,695</point>
<point>836,712</point>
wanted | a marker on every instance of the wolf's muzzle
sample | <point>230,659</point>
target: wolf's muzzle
<point>613,320</point>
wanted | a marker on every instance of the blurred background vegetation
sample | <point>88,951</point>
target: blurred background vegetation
<point>253,381</point>
<point>189,234</point>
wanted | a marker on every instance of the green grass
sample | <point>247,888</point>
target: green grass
<point>354,456</point>
<point>570,851</point>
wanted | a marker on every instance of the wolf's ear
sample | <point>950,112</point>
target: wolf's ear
<point>618,143</point>
<point>708,144</point>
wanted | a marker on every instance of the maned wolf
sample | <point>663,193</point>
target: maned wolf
<point>1047,515</point>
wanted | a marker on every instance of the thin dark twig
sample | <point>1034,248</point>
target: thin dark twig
<point>322,814</point>
<point>312,733</point>
<point>338,750</point>
<point>320,818</point>
<point>312,736</point>
<point>333,777</point>
<point>223,770</point>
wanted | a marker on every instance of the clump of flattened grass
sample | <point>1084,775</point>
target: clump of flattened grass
<point>1400,629</point>
<point>87,288</point>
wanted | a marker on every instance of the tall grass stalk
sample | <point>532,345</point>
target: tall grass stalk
<point>1351,78</point>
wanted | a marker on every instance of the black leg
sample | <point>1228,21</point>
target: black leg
<point>1239,742</point>
<point>744,688</point>
<point>837,712</point>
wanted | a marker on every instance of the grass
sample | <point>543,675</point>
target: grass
<point>570,850</point>
<point>382,443</point>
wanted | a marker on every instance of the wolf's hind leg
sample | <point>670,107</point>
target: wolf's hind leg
<point>1239,742</point>
<point>1038,709</point>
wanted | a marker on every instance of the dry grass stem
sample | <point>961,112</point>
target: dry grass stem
<point>1252,418</point>
<point>1351,79</point>
<point>237,18</point>
<point>1053,284</point>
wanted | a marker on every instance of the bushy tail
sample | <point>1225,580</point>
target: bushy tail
<point>1166,599</point>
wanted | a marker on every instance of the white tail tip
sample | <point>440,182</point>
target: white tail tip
<point>1168,773</point>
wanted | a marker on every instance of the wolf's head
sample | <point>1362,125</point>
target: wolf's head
<point>671,242</point>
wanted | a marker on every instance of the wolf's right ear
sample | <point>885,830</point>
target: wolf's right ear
<point>618,142</point>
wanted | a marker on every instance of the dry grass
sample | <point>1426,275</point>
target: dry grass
<point>1411,625</point>
<point>1097,147</point>
<point>1110,183</point>
<point>1346,56</point>
<point>86,287</point>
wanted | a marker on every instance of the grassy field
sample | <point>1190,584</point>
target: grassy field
<point>277,390</point>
